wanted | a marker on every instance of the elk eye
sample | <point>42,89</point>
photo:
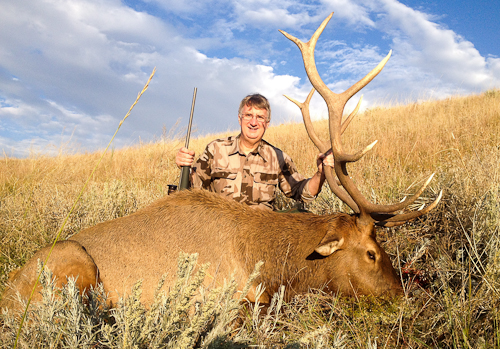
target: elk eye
<point>371,255</point>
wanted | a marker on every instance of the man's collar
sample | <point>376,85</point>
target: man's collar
<point>235,146</point>
<point>258,151</point>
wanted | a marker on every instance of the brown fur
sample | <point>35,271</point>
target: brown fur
<point>69,259</point>
<point>232,237</point>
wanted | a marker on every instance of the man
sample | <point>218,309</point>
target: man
<point>246,168</point>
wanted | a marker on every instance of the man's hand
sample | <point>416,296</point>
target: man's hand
<point>184,157</point>
<point>325,159</point>
<point>316,181</point>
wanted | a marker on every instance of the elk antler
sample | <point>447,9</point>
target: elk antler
<point>368,212</point>
<point>324,147</point>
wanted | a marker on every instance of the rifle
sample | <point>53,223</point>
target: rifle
<point>185,170</point>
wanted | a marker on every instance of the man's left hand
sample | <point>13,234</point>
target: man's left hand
<point>324,159</point>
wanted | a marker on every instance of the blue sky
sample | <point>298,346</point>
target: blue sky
<point>69,70</point>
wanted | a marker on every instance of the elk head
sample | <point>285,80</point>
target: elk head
<point>367,214</point>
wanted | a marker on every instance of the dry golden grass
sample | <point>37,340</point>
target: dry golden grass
<point>454,250</point>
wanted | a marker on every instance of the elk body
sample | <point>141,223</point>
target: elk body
<point>337,253</point>
<point>233,238</point>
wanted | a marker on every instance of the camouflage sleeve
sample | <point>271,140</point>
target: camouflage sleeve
<point>291,182</point>
<point>201,172</point>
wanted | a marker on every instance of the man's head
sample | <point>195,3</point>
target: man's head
<point>254,116</point>
<point>257,101</point>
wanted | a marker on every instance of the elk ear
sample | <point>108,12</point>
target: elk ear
<point>326,248</point>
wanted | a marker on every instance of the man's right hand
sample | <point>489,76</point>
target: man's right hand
<point>184,157</point>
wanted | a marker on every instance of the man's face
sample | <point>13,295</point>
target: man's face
<point>253,123</point>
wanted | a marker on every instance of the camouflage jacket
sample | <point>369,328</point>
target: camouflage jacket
<point>223,168</point>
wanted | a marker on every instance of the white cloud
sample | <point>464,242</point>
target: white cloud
<point>13,109</point>
<point>67,56</point>
<point>78,65</point>
<point>493,64</point>
<point>188,7</point>
<point>434,49</point>
<point>428,61</point>
<point>353,12</point>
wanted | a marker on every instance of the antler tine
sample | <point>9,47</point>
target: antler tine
<point>323,147</point>
<point>394,220</point>
<point>374,208</point>
<point>351,116</point>
<point>361,153</point>
<point>307,50</point>
<point>351,91</point>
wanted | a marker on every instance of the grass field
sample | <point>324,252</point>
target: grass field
<point>453,253</point>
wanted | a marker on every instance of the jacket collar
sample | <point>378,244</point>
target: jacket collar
<point>236,148</point>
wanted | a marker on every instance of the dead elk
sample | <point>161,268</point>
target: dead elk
<point>300,251</point>
<point>336,253</point>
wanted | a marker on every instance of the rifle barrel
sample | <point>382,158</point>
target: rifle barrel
<point>185,170</point>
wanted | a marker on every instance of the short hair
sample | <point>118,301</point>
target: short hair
<point>258,101</point>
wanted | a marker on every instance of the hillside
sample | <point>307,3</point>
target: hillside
<point>453,253</point>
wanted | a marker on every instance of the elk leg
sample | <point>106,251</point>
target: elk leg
<point>68,258</point>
